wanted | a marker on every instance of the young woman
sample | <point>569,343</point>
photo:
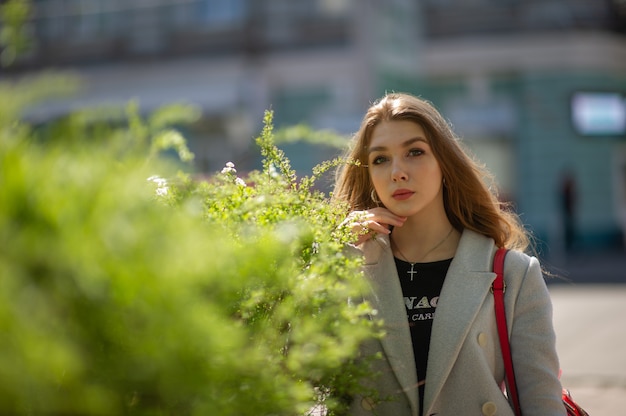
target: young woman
<point>428,226</point>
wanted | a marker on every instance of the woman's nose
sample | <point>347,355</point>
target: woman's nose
<point>398,173</point>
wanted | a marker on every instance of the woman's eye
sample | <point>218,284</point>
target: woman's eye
<point>378,160</point>
<point>416,152</point>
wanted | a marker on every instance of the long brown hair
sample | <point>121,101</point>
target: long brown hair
<point>470,196</point>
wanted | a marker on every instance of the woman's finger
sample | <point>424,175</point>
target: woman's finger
<point>364,224</point>
<point>384,216</point>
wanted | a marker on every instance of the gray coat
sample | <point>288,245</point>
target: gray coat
<point>465,368</point>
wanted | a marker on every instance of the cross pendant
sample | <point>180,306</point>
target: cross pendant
<point>412,272</point>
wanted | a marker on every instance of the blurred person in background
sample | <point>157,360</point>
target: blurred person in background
<point>567,193</point>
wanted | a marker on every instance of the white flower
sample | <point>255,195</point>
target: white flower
<point>230,171</point>
<point>161,183</point>
<point>273,171</point>
<point>158,180</point>
<point>229,168</point>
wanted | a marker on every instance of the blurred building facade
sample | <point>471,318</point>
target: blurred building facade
<point>507,73</point>
<point>538,90</point>
<point>309,61</point>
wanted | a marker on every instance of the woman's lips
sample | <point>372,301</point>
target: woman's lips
<point>402,194</point>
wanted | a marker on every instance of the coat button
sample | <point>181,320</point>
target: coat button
<point>368,404</point>
<point>489,409</point>
<point>482,339</point>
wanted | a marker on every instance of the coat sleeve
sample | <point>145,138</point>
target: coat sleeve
<point>533,343</point>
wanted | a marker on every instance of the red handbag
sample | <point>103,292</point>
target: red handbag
<point>498,286</point>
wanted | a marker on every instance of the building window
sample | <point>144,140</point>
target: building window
<point>222,11</point>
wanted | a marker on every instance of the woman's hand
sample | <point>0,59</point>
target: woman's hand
<point>364,224</point>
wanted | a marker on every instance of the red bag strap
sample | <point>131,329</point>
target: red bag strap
<point>498,287</point>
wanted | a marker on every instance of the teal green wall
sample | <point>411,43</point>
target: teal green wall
<point>300,105</point>
<point>548,144</point>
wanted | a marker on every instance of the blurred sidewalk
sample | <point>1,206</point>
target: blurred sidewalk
<point>589,299</point>
<point>591,342</point>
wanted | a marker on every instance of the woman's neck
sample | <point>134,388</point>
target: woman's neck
<point>421,240</point>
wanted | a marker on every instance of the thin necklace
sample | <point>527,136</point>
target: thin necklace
<point>405,258</point>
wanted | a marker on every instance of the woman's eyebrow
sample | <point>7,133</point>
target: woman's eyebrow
<point>406,143</point>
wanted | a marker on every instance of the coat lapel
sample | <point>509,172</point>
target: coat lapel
<point>388,301</point>
<point>464,291</point>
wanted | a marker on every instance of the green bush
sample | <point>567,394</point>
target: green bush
<point>125,293</point>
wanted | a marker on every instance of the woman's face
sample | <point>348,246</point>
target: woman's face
<point>403,169</point>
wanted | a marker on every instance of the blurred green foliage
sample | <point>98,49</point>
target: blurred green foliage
<point>304,133</point>
<point>14,38</point>
<point>129,287</point>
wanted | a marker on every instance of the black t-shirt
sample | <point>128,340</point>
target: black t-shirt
<point>421,287</point>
